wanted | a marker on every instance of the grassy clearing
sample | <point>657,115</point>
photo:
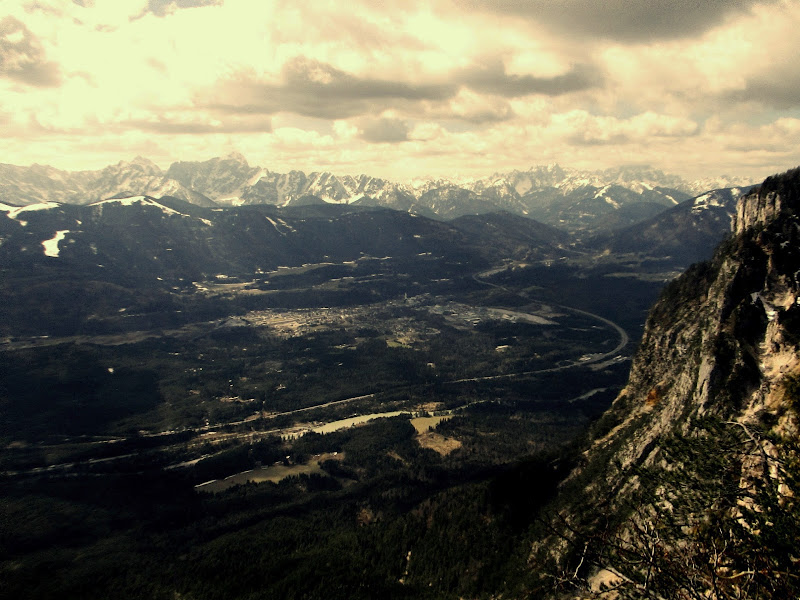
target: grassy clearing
<point>273,473</point>
<point>423,424</point>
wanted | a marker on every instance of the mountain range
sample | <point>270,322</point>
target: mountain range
<point>51,251</point>
<point>573,200</point>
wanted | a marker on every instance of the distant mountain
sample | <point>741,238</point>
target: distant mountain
<point>176,240</point>
<point>573,200</point>
<point>513,236</point>
<point>22,186</point>
<point>590,208</point>
<point>681,235</point>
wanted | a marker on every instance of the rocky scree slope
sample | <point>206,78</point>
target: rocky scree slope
<point>689,486</point>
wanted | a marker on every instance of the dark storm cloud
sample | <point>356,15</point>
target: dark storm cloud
<point>384,131</point>
<point>161,8</point>
<point>779,90</point>
<point>315,89</point>
<point>624,20</point>
<point>22,57</point>
<point>492,79</point>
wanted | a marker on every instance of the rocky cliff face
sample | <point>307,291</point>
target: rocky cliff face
<point>686,489</point>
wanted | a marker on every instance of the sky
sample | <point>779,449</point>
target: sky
<point>402,89</point>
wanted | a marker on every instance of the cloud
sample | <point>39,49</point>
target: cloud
<point>470,107</point>
<point>33,7</point>
<point>581,128</point>
<point>443,85</point>
<point>315,89</point>
<point>493,79</point>
<point>780,89</point>
<point>624,20</point>
<point>22,57</point>
<point>198,126</point>
<point>384,130</point>
<point>162,8</point>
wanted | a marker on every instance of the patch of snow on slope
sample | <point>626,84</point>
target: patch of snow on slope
<point>706,201</point>
<point>285,224</point>
<point>51,246</point>
<point>123,201</point>
<point>256,178</point>
<point>523,186</point>
<point>231,200</point>
<point>601,192</point>
<point>717,199</point>
<point>139,200</point>
<point>328,199</point>
<point>14,211</point>
<point>275,225</point>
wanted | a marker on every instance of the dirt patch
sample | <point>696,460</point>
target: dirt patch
<point>438,443</point>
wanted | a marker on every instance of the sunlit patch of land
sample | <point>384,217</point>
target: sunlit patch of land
<point>273,473</point>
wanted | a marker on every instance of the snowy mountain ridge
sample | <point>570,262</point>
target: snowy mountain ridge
<point>551,193</point>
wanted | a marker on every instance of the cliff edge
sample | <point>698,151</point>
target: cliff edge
<point>688,486</point>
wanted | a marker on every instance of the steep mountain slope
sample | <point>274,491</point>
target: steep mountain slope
<point>689,487</point>
<point>39,183</point>
<point>515,236</point>
<point>681,235</point>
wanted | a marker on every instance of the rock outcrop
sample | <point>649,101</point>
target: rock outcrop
<point>677,492</point>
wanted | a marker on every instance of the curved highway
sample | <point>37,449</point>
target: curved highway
<point>623,335</point>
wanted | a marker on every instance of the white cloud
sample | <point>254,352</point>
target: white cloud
<point>453,86</point>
